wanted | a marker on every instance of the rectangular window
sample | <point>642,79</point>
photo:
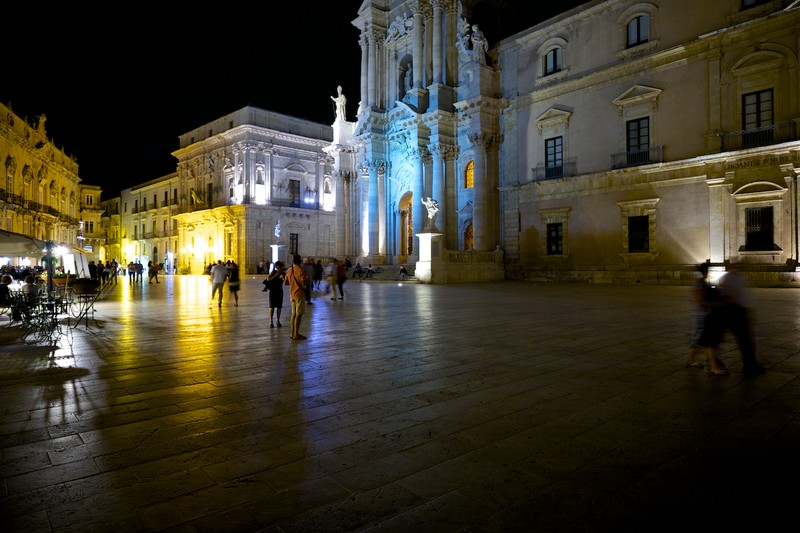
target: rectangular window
<point>554,157</point>
<point>757,118</point>
<point>174,196</point>
<point>209,195</point>
<point>638,30</point>
<point>552,61</point>
<point>166,198</point>
<point>638,141</point>
<point>294,193</point>
<point>555,238</point>
<point>294,243</point>
<point>639,234</point>
<point>758,229</point>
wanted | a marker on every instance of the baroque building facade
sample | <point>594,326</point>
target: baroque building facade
<point>41,195</point>
<point>621,141</point>
<point>253,186</point>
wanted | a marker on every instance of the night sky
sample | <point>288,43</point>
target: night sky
<point>118,89</point>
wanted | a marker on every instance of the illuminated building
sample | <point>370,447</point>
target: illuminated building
<point>41,195</point>
<point>253,186</point>
<point>620,141</point>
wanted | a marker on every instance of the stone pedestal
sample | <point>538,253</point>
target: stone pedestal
<point>431,267</point>
<point>278,253</point>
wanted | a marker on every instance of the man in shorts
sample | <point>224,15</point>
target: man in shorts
<point>297,280</point>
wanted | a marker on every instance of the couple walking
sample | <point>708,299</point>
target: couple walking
<point>720,309</point>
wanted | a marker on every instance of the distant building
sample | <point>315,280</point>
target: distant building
<point>253,186</point>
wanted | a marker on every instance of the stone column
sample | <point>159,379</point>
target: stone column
<point>341,226</point>
<point>419,58</point>
<point>362,41</point>
<point>418,191</point>
<point>450,216</point>
<point>372,203</point>
<point>718,248</point>
<point>438,185</point>
<point>372,82</point>
<point>479,208</point>
<point>438,62</point>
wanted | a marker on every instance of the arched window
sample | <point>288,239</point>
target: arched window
<point>469,175</point>
<point>552,61</point>
<point>638,31</point>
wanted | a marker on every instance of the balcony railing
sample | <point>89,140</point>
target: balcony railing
<point>776,134</point>
<point>654,154</point>
<point>545,171</point>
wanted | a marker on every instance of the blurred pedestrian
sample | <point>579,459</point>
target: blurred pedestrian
<point>330,277</point>
<point>739,302</point>
<point>234,282</point>
<point>308,267</point>
<point>708,323</point>
<point>218,276</point>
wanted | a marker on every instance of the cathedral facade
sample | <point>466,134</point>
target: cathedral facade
<point>620,141</point>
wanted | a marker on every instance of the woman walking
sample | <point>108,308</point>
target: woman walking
<point>275,285</point>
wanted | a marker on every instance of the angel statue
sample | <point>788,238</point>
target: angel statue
<point>433,209</point>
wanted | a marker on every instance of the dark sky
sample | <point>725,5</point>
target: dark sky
<point>118,89</point>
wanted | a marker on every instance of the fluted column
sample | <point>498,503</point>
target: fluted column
<point>341,213</point>
<point>362,41</point>
<point>372,203</point>
<point>372,81</point>
<point>438,186</point>
<point>417,212</point>
<point>438,60</point>
<point>419,58</point>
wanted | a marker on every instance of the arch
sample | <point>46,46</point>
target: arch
<point>468,236</point>
<point>405,237</point>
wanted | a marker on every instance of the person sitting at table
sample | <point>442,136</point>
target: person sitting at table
<point>30,290</point>
<point>6,298</point>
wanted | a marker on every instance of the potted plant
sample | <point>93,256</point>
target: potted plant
<point>84,285</point>
<point>62,278</point>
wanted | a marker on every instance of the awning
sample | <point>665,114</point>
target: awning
<point>19,245</point>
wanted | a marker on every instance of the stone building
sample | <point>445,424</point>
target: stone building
<point>41,195</point>
<point>620,141</point>
<point>253,186</point>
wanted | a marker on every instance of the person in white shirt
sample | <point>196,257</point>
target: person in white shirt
<point>219,273</point>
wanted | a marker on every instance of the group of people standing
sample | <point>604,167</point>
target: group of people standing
<point>302,277</point>
<point>718,309</point>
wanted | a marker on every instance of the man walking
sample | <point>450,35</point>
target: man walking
<point>739,304</point>
<point>297,279</point>
<point>218,275</point>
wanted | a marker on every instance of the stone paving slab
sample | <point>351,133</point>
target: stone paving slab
<point>468,408</point>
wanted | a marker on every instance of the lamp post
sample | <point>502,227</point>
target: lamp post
<point>50,270</point>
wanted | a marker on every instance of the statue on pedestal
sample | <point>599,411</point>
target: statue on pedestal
<point>340,102</point>
<point>433,209</point>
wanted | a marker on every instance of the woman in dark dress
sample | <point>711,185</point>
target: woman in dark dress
<point>234,282</point>
<point>275,286</point>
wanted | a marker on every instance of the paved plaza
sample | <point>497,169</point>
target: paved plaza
<point>497,407</point>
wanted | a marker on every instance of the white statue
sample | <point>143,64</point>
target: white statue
<point>340,102</point>
<point>433,208</point>
<point>480,46</point>
<point>278,229</point>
